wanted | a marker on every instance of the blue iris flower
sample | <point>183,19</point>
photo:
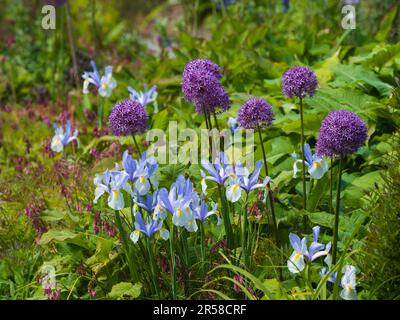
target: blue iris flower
<point>148,228</point>
<point>61,138</point>
<point>219,171</point>
<point>145,97</point>
<point>317,166</point>
<point>104,84</point>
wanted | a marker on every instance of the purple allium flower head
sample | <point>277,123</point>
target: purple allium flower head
<point>299,82</point>
<point>255,113</point>
<point>201,86</point>
<point>342,132</point>
<point>128,117</point>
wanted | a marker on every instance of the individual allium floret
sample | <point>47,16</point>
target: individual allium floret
<point>342,132</point>
<point>255,113</point>
<point>201,86</point>
<point>299,82</point>
<point>128,117</point>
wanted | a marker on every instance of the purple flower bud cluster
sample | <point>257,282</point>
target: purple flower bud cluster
<point>341,133</point>
<point>52,294</point>
<point>239,279</point>
<point>128,117</point>
<point>255,113</point>
<point>32,212</point>
<point>299,82</point>
<point>201,86</point>
<point>103,226</point>
<point>89,115</point>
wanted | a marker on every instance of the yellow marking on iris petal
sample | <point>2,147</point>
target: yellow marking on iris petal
<point>104,85</point>
<point>316,164</point>
<point>136,232</point>
<point>179,212</point>
<point>141,179</point>
<point>235,187</point>
<point>115,194</point>
<point>297,256</point>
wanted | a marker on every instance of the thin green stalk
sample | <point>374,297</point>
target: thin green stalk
<point>336,227</point>
<point>216,120</point>
<point>270,197</point>
<point>303,174</point>
<point>173,261</point>
<point>136,145</point>
<point>72,44</point>
<point>244,233</point>
<point>131,265</point>
<point>226,218</point>
<point>93,21</point>
<point>153,266</point>
<point>202,246</point>
<point>100,111</point>
<point>331,188</point>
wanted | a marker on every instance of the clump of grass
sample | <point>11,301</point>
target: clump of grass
<point>381,264</point>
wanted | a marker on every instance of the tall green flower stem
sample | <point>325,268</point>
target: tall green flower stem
<point>202,246</point>
<point>244,234</point>
<point>226,218</point>
<point>131,265</point>
<point>72,44</point>
<point>224,203</point>
<point>331,188</point>
<point>173,260</point>
<point>270,197</point>
<point>100,111</point>
<point>337,210</point>
<point>153,267</point>
<point>136,145</point>
<point>303,163</point>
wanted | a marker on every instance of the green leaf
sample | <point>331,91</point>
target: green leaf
<point>386,25</point>
<point>125,290</point>
<point>52,215</point>
<point>359,74</point>
<point>56,235</point>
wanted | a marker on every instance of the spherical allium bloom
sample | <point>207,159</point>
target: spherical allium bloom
<point>128,117</point>
<point>202,65</point>
<point>299,82</point>
<point>255,113</point>
<point>342,132</point>
<point>201,86</point>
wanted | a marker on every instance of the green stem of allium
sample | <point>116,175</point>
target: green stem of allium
<point>136,145</point>
<point>94,27</point>
<point>173,261</point>
<point>131,265</point>
<point>331,188</point>
<point>153,266</point>
<point>215,120</point>
<point>270,197</point>
<point>303,163</point>
<point>226,218</point>
<point>303,156</point>
<point>336,227</point>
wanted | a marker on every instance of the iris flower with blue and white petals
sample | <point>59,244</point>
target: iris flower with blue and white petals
<point>317,167</point>
<point>348,283</point>
<point>149,228</point>
<point>200,210</point>
<point>141,172</point>
<point>240,180</point>
<point>112,182</point>
<point>104,84</point>
<point>177,202</point>
<point>146,97</point>
<point>219,171</point>
<point>296,262</point>
<point>61,138</point>
<point>324,271</point>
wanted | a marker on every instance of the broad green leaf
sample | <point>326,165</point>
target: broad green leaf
<point>125,290</point>
<point>56,235</point>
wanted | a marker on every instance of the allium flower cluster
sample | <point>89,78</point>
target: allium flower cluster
<point>299,82</point>
<point>128,117</point>
<point>255,113</point>
<point>342,132</point>
<point>201,86</point>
